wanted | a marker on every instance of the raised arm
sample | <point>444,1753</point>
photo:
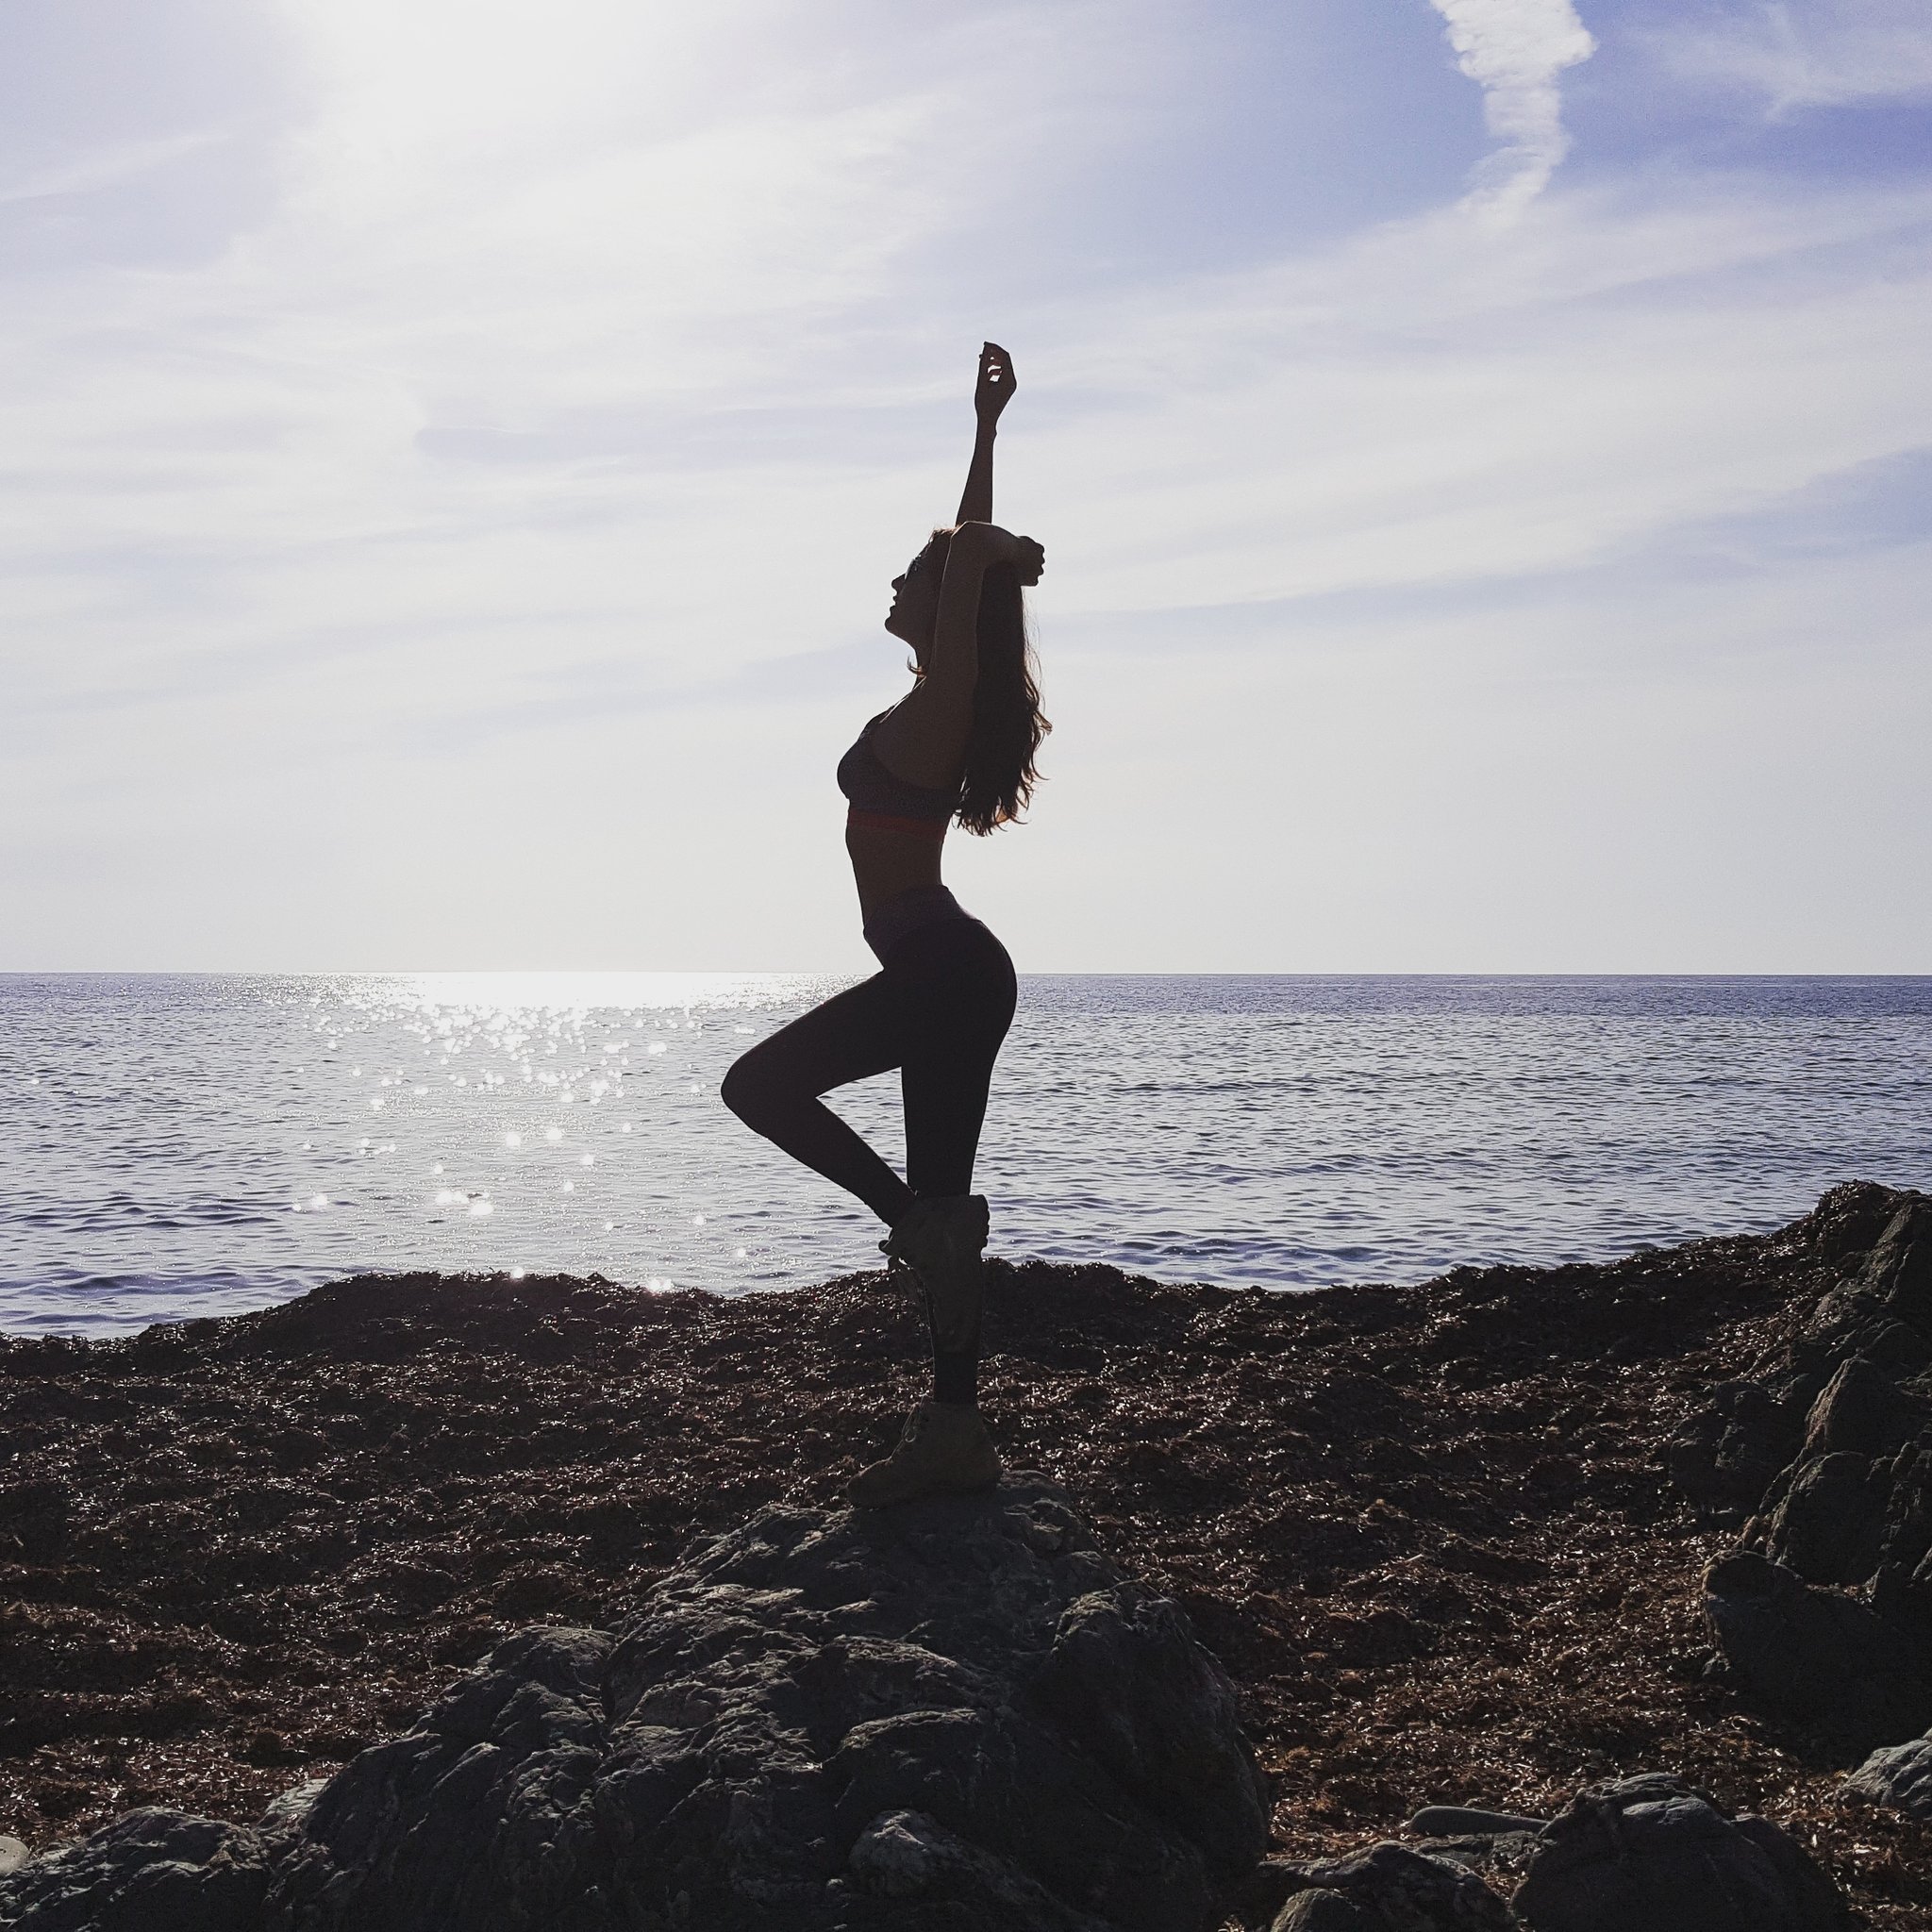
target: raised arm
<point>990,396</point>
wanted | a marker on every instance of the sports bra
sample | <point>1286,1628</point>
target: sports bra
<point>879,801</point>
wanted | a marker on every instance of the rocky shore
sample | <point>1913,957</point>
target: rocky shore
<point>1489,1542</point>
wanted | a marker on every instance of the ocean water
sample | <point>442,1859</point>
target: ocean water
<point>182,1147</point>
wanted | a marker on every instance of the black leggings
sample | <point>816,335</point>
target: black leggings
<point>938,1011</point>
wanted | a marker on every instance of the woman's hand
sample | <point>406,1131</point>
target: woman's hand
<point>991,395</point>
<point>996,383</point>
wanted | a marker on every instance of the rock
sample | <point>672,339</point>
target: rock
<point>1322,1910</point>
<point>1388,1887</point>
<point>1818,1658</point>
<point>14,1854</point>
<point>1498,1857</point>
<point>1177,1742</point>
<point>288,1810</point>
<point>1899,1776</point>
<point>952,1715</point>
<point>1650,1855</point>
<point>912,1859</point>
<point>1726,1455</point>
<point>1851,1381</point>
<point>1848,1219</point>
<point>1447,1821</point>
<point>152,1871</point>
<point>1895,1285</point>
<point>1825,1524</point>
<point>1497,1845</point>
<point>1901,1585</point>
<point>1851,1504</point>
<point>1860,1409</point>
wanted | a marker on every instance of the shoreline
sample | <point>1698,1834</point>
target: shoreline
<point>234,1551</point>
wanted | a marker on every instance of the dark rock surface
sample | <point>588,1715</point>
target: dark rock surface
<point>953,1714</point>
<point>1824,1612</point>
<point>153,1871</point>
<point>1899,1776</point>
<point>1645,1853</point>
<point>1827,1661</point>
<point>1650,1855</point>
<point>1393,1888</point>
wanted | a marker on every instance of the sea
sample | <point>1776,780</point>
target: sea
<point>181,1147</point>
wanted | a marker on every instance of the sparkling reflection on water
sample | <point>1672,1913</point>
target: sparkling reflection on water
<point>177,1146</point>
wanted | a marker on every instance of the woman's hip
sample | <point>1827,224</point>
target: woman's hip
<point>954,971</point>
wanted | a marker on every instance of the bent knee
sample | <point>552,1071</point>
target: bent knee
<point>744,1089</point>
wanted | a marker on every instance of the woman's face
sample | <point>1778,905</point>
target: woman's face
<point>916,601</point>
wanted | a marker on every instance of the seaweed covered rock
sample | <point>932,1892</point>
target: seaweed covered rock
<point>1651,1855</point>
<point>948,1714</point>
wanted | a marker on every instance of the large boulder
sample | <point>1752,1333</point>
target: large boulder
<point>1899,1776</point>
<point>1822,1658</point>
<point>153,1871</point>
<point>1651,1855</point>
<point>952,1715</point>
<point>1824,1453</point>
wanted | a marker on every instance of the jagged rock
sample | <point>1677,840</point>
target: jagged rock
<point>1820,1658</point>
<point>1860,1409</point>
<point>1847,1382</point>
<point>1826,1524</point>
<point>1902,1583</point>
<point>1389,1887</point>
<point>1849,1219</point>
<point>1899,1776</point>
<point>1650,1855</point>
<point>1846,1405</point>
<point>1892,1289</point>
<point>952,1715</point>
<point>152,1871</point>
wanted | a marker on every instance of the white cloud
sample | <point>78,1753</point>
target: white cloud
<point>503,521</point>
<point>1806,53</point>
<point>1515,50</point>
<point>1422,406</point>
<point>106,167</point>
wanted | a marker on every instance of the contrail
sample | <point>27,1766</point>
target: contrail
<point>1514,51</point>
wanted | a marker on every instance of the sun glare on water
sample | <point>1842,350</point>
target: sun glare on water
<point>580,992</point>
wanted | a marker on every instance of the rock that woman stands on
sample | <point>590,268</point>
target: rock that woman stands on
<point>958,746</point>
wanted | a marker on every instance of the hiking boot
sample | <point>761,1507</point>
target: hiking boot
<point>944,1450</point>
<point>942,1239</point>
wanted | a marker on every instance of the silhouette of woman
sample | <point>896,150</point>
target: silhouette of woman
<point>958,746</point>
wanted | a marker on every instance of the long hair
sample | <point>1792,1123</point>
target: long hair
<point>1008,726</point>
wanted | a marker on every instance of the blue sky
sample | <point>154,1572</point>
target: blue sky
<point>455,453</point>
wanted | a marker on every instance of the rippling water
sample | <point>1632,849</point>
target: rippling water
<point>174,1146</point>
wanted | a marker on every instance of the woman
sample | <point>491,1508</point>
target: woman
<point>959,746</point>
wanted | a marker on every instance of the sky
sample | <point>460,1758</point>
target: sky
<point>453,454</point>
